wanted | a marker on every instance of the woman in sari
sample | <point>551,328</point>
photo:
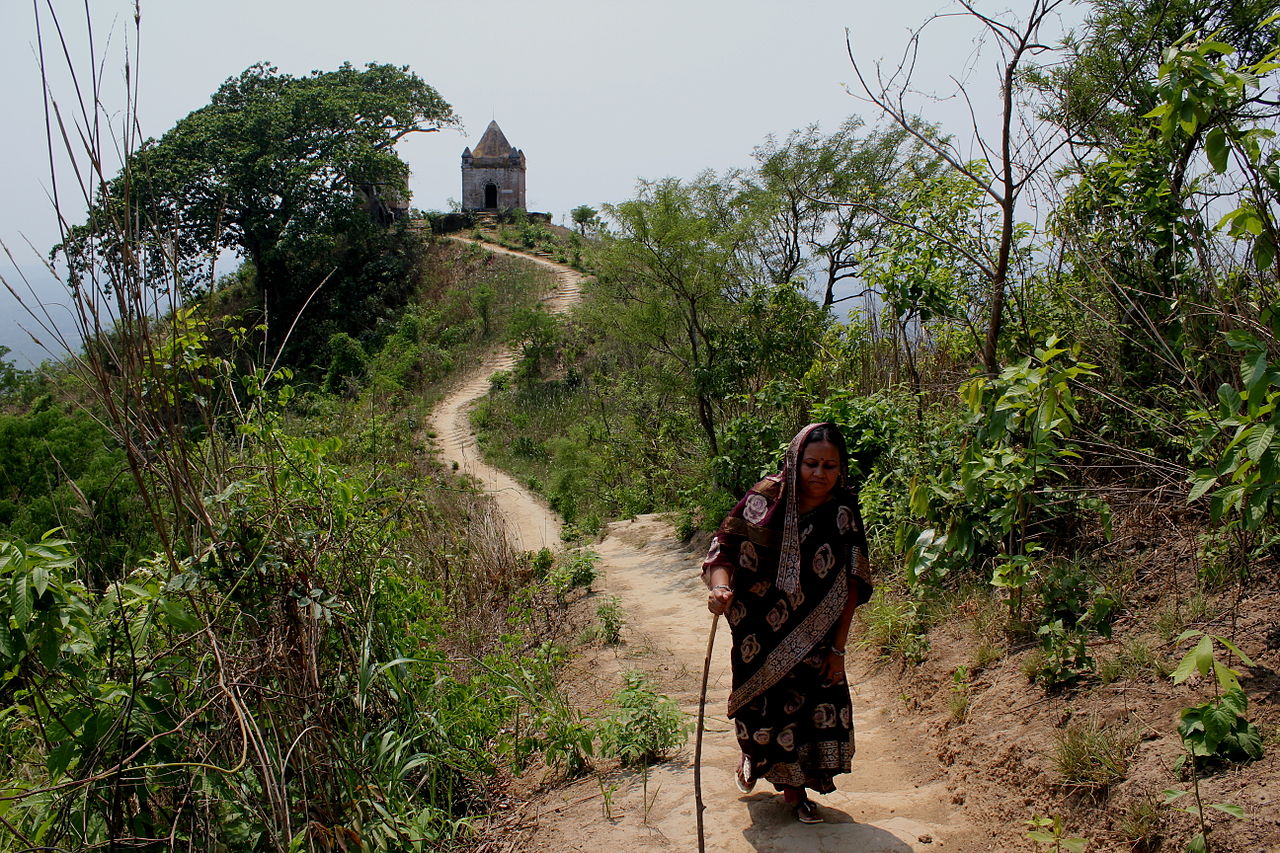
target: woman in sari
<point>788,567</point>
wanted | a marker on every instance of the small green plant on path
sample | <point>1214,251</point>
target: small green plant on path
<point>610,618</point>
<point>1213,731</point>
<point>642,725</point>
<point>1049,836</point>
<point>958,700</point>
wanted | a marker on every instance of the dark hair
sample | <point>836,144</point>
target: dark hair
<point>831,434</point>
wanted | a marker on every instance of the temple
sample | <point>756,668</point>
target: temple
<point>493,173</point>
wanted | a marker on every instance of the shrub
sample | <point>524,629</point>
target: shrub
<point>574,570</point>
<point>609,615</point>
<point>542,561</point>
<point>642,724</point>
<point>1063,660</point>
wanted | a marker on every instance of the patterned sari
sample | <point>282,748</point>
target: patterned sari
<point>791,575</point>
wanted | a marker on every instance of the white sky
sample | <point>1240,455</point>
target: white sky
<point>597,93</point>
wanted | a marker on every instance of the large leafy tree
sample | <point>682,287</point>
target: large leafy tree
<point>275,168</point>
<point>822,201</point>
<point>1140,219</point>
<point>672,266</point>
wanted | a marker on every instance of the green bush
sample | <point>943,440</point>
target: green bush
<point>1063,658</point>
<point>642,725</point>
<point>610,618</point>
<point>573,570</point>
<point>347,360</point>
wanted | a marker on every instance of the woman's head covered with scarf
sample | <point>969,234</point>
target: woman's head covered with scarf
<point>789,558</point>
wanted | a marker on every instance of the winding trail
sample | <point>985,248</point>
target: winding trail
<point>533,524</point>
<point>895,801</point>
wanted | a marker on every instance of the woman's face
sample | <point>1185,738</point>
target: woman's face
<point>819,470</point>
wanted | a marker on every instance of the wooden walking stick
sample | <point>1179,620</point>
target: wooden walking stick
<point>697,742</point>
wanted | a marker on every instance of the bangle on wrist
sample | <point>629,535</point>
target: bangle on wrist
<point>837,652</point>
<point>725,587</point>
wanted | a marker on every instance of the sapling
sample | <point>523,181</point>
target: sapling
<point>1214,730</point>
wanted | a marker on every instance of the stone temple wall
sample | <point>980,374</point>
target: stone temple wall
<point>509,181</point>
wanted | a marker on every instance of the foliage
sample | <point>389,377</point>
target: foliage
<point>347,360</point>
<point>535,331</point>
<point>611,619</point>
<point>574,569</point>
<point>670,266</point>
<point>641,725</point>
<point>997,501</point>
<point>1050,836</point>
<point>1197,90</point>
<point>1063,658</point>
<point>10,376</point>
<point>1244,473</point>
<point>585,216</point>
<point>277,168</point>
<point>1216,730</point>
<point>59,468</point>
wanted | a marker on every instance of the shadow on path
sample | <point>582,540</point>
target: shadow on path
<point>774,829</point>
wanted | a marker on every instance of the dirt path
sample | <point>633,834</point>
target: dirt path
<point>895,801</point>
<point>533,523</point>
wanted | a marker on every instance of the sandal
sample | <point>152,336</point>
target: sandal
<point>807,812</point>
<point>743,776</point>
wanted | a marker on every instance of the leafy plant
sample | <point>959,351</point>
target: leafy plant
<point>1200,98</point>
<point>996,501</point>
<point>574,569</point>
<point>1064,657</point>
<point>610,617</point>
<point>958,698</point>
<point>1213,731</point>
<point>642,724</point>
<point>1217,729</point>
<point>1050,836</point>
<point>1242,478</point>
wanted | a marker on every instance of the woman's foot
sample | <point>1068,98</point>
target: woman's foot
<point>745,778</point>
<point>807,811</point>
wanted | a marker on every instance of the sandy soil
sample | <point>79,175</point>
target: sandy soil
<point>895,801</point>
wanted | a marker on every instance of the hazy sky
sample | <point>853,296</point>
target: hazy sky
<point>597,93</point>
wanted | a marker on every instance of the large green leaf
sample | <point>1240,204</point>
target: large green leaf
<point>1203,480</point>
<point>1215,145</point>
<point>20,601</point>
<point>1259,440</point>
<point>1228,808</point>
<point>1199,659</point>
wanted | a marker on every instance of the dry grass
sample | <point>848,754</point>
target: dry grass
<point>1093,755</point>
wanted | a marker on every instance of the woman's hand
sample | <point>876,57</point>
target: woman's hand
<point>833,669</point>
<point>719,599</point>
